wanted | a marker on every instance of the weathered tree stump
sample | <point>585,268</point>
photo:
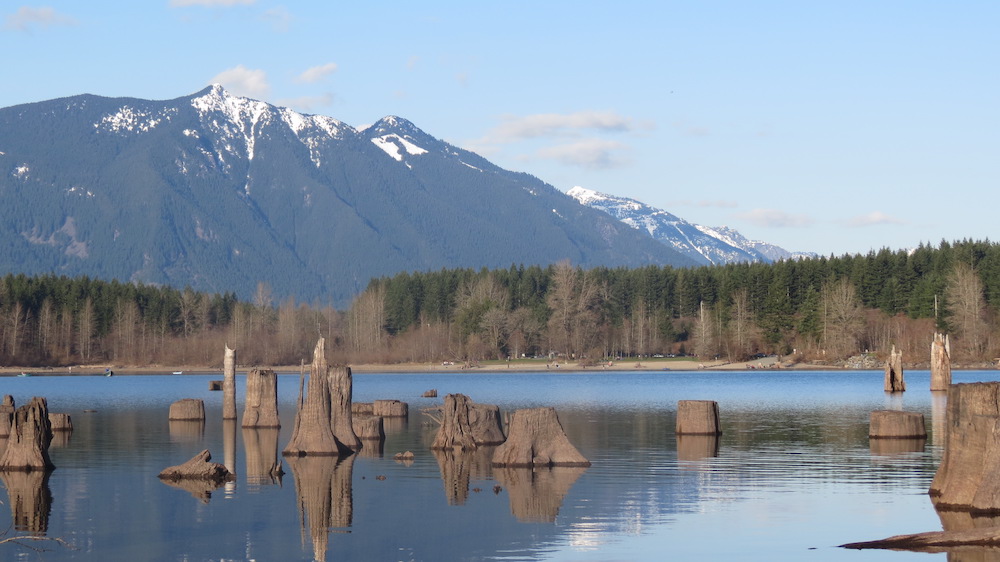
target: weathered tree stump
<point>28,443</point>
<point>215,385</point>
<point>6,415</point>
<point>368,428</point>
<point>30,500</point>
<point>894,424</point>
<point>698,417</point>
<point>187,409</point>
<point>312,434</point>
<point>229,384</point>
<point>390,409</point>
<point>341,394</point>
<point>432,393</point>
<point>199,467</point>
<point>466,425</point>
<point>940,363</point>
<point>894,371</point>
<point>362,408</point>
<point>261,409</point>
<point>536,438</point>
<point>60,422</point>
<point>966,478</point>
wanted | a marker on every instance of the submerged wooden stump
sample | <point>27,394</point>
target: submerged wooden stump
<point>894,424</point>
<point>894,371</point>
<point>362,408</point>
<point>466,425</point>
<point>390,409</point>
<point>6,415</point>
<point>432,393</point>
<point>536,438</point>
<point>30,436</point>
<point>60,422</point>
<point>312,434</point>
<point>261,409</point>
<point>368,427</point>
<point>940,363</point>
<point>341,394</point>
<point>229,384</point>
<point>187,409</point>
<point>215,385</point>
<point>199,467</point>
<point>698,417</point>
<point>966,478</point>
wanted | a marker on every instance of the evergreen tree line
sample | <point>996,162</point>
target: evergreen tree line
<point>822,309</point>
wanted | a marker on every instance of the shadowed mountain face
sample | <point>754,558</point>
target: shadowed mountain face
<point>220,192</point>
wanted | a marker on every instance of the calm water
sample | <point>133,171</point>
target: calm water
<point>792,476</point>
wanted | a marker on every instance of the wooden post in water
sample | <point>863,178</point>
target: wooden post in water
<point>894,372</point>
<point>229,385</point>
<point>698,417</point>
<point>940,363</point>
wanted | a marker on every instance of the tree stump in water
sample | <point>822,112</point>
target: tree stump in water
<point>199,467</point>
<point>215,385</point>
<point>187,409</point>
<point>894,372</point>
<point>536,438</point>
<point>432,393</point>
<point>368,428</point>
<point>466,425</point>
<point>28,443</point>
<point>894,424</point>
<point>698,417</point>
<point>940,363</point>
<point>261,409</point>
<point>362,408</point>
<point>312,434</point>
<point>390,409</point>
<point>966,478</point>
<point>6,415</point>
<point>60,422</point>
<point>229,384</point>
<point>341,394</point>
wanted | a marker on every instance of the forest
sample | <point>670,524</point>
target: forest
<point>821,310</point>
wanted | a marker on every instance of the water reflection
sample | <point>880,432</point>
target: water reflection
<point>187,431</point>
<point>939,411</point>
<point>897,446</point>
<point>29,498</point>
<point>263,467</point>
<point>536,494</point>
<point>697,447</point>
<point>199,488</point>
<point>458,468</point>
<point>323,487</point>
<point>965,521</point>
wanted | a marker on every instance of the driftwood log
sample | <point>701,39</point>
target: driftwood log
<point>536,438</point>
<point>698,417</point>
<point>199,467</point>
<point>6,415</point>
<point>229,384</point>
<point>966,478</point>
<point>341,394</point>
<point>390,409</point>
<point>312,434</point>
<point>466,425</point>
<point>60,422</point>
<point>894,371</point>
<point>187,409</point>
<point>30,436</point>
<point>895,424</point>
<point>261,408</point>
<point>940,363</point>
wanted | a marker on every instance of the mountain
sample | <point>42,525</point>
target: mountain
<point>705,245</point>
<point>221,192</point>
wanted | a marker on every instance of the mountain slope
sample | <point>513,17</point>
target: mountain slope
<point>220,192</point>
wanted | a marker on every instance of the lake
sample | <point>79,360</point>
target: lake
<point>793,475</point>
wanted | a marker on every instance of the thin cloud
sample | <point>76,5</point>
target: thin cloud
<point>316,73</point>
<point>279,18</point>
<point>244,81</point>
<point>773,218</point>
<point>555,124</point>
<point>210,3</point>
<point>27,17</point>
<point>595,154</point>
<point>874,218</point>
<point>718,203</point>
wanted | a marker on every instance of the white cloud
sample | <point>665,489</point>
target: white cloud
<point>775,219</point>
<point>210,3</point>
<point>316,73</point>
<point>874,218</point>
<point>555,124</point>
<point>588,153</point>
<point>26,17</point>
<point>244,81</point>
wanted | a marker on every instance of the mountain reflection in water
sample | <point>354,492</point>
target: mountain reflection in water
<point>792,475</point>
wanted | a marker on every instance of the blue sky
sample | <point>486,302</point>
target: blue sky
<point>834,127</point>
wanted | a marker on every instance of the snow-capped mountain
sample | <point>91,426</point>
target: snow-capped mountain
<point>221,192</point>
<point>705,245</point>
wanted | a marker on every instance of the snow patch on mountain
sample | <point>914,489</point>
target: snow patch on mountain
<point>241,120</point>
<point>133,120</point>
<point>394,145</point>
